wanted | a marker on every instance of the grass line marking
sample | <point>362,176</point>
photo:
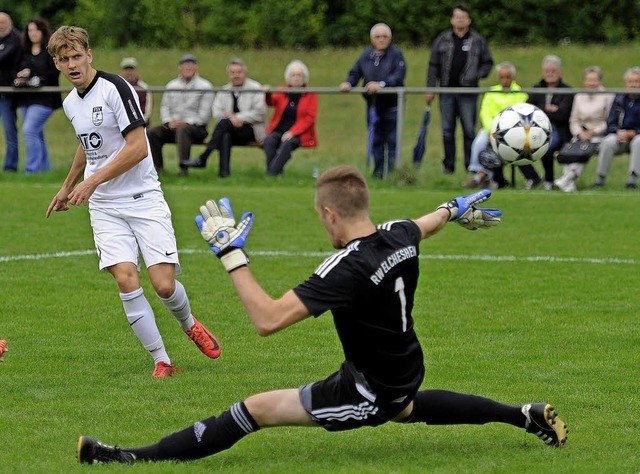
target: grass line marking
<point>284,253</point>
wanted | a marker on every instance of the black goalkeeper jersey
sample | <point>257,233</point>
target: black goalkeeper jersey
<point>369,287</point>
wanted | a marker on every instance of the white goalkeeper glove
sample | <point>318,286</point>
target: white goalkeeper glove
<point>463,211</point>
<point>226,239</point>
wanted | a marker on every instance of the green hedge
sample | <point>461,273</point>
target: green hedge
<point>314,24</point>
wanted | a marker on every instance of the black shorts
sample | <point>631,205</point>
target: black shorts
<point>344,401</point>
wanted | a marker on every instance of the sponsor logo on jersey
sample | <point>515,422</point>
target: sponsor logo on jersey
<point>391,261</point>
<point>90,141</point>
<point>96,116</point>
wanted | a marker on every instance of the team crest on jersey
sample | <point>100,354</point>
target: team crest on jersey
<point>96,116</point>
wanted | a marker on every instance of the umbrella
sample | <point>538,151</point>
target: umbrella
<point>419,149</point>
<point>372,120</point>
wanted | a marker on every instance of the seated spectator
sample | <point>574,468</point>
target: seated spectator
<point>36,69</point>
<point>623,127</point>
<point>10,54</point>
<point>129,70</point>
<point>588,122</point>
<point>241,118</point>
<point>492,103</point>
<point>293,121</point>
<point>184,115</point>
<point>558,108</point>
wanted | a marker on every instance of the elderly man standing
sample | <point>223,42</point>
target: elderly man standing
<point>460,57</point>
<point>241,117</point>
<point>184,115</point>
<point>10,54</point>
<point>624,132</point>
<point>381,65</point>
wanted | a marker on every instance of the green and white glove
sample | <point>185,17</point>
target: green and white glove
<point>226,239</point>
<point>463,211</point>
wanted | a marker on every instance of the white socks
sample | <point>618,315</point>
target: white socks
<point>178,305</point>
<point>143,322</point>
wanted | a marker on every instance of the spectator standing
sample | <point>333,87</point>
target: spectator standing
<point>623,127</point>
<point>129,215</point>
<point>241,117</point>
<point>129,70</point>
<point>558,109</point>
<point>294,119</point>
<point>368,285</point>
<point>491,105</point>
<point>10,55</point>
<point>379,66</point>
<point>460,57</point>
<point>587,122</point>
<point>36,69</point>
<point>185,112</point>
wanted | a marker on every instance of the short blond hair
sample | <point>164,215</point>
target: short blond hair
<point>66,37</point>
<point>343,189</point>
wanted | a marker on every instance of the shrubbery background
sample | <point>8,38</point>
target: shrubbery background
<point>316,24</point>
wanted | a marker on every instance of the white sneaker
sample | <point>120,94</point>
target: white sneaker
<point>548,186</point>
<point>566,185</point>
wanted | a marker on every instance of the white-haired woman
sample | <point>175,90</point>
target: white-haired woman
<point>293,122</point>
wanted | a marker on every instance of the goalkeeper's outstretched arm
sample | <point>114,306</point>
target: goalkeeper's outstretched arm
<point>268,315</point>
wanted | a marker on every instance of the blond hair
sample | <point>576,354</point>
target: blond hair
<point>68,37</point>
<point>343,189</point>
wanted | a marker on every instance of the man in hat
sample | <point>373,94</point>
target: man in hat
<point>129,70</point>
<point>185,111</point>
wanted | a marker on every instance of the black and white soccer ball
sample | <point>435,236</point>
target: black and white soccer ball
<point>521,134</point>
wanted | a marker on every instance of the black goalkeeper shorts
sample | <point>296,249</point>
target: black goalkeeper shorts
<point>344,401</point>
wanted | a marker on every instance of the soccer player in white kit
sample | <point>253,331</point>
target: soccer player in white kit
<point>129,215</point>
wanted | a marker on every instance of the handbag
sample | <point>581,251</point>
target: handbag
<point>577,151</point>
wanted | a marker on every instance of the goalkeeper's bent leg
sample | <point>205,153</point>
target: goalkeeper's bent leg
<point>203,438</point>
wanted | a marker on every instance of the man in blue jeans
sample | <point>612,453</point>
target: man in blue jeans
<point>10,53</point>
<point>460,57</point>
<point>381,65</point>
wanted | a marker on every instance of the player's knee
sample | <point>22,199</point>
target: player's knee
<point>256,409</point>
<point>165,288</point>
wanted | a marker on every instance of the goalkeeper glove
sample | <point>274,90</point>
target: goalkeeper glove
<point>218,227</point>
<point>463,211</point>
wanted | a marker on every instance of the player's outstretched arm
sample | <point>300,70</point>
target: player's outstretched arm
<point>462,210</point>
<point>227,240</point>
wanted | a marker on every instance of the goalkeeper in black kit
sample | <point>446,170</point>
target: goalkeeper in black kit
<point>368,285</point>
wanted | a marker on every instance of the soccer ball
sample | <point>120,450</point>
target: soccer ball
<point>521,134</point>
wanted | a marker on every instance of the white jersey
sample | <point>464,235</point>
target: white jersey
<point>102,115</point>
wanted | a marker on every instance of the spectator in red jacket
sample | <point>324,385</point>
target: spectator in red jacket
<point>293,121</point>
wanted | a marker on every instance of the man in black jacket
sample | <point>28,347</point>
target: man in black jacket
<point>10,54</point>
<point>460,57</point>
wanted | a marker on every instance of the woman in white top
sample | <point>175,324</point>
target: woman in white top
<point>588,121</point>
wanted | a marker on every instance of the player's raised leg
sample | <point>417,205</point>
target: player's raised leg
<point>174,296</point>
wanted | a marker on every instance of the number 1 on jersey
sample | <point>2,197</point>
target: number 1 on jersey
<point>403,301</point>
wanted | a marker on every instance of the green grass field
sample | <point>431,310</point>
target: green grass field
<point>540,308</point>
